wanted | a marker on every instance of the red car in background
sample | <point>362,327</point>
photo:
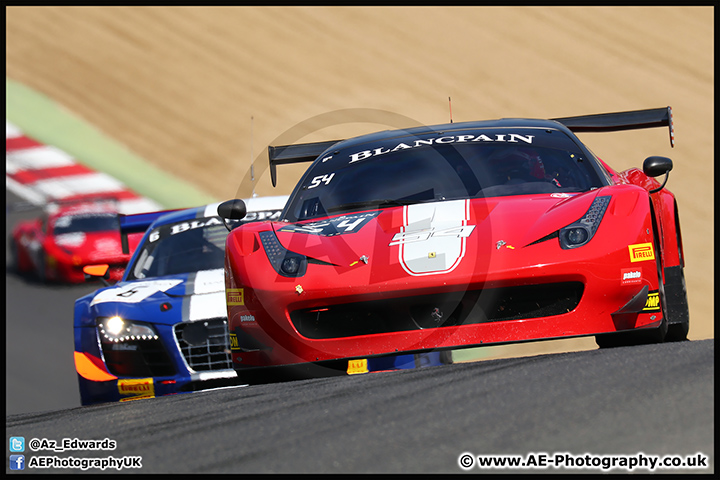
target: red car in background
<point>57,245</point>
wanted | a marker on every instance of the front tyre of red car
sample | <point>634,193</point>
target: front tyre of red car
<point>42,267</point>
<point>677,312</point>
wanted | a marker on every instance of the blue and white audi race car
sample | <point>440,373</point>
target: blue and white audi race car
<point>162,329</point>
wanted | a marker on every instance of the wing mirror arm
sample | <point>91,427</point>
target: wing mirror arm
<point>656,166</point>
<point>655,190</point>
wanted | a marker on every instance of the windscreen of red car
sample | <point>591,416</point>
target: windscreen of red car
<point>442,166</point>
<point>86,223</point>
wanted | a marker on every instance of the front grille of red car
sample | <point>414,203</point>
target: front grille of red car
<point>437,310</point>
<point>205,344</point>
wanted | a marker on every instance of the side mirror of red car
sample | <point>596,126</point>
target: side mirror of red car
<point>656,166</point>
<point>232,209</point>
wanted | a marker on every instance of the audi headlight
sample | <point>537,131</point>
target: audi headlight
<point>117,329</point>
<point>285,262</point>
<point>581,232</point>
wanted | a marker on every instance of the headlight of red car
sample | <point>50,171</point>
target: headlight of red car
<point>285,262</point>
<point>581,232</point>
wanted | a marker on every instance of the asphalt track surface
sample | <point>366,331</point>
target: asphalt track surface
<point>645,401</point>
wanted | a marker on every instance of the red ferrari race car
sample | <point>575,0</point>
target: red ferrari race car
<point>457,235</point>
<point>65,238</point>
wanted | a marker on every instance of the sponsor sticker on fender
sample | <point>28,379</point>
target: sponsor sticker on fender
<point>137,388</point>
<point>234,342</point>
<point>630,276</point>
<point>653,302</point>
<point>235,296</point>
<point>641,252</point>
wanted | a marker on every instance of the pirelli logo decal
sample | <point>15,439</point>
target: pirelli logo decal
<point>653,302</point>
<point>235,296</point>
<point>357,366</point>
<point>641,252</point>
<point>137,388</point>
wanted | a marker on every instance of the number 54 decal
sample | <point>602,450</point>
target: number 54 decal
<point>433,238</point>
<point>463,231</point>
<point>321,179</point>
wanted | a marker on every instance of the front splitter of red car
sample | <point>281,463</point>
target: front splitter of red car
<point>271,326</point>
<point>256,347</point>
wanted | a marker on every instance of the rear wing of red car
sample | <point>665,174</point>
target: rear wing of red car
<point>137,223</point>
<point>602,122</point>
<point>613,122</point>
<point>302,152</point>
